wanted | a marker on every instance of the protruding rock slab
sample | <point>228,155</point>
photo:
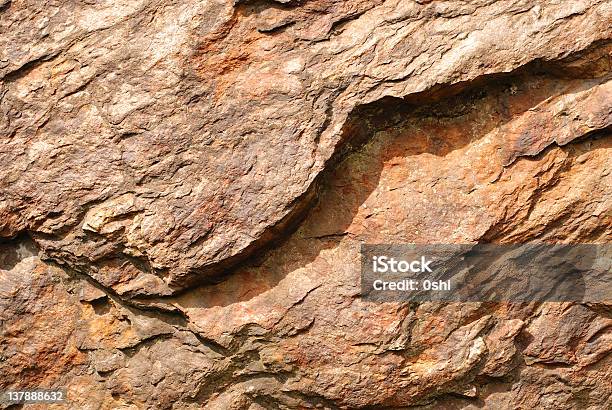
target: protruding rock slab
<point>153,144</point>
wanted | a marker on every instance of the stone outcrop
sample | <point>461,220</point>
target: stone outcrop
<point>185,187</point>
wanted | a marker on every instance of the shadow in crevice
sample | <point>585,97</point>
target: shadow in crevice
<point>15,250</point>
<point>378,137</point>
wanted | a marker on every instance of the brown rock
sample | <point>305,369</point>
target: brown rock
<point>197,179</point>
<point>180,138</point>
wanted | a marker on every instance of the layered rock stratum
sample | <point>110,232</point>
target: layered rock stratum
<point>185,187</point>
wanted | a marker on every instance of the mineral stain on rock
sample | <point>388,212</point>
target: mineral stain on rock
<point>185,188</point>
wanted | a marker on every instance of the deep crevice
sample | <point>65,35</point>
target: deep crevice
<point>13,251</point>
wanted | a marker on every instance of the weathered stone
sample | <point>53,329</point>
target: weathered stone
<point>180,138</point>
<point>185,188</point>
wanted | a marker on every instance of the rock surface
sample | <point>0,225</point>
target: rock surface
<point>186,186</point>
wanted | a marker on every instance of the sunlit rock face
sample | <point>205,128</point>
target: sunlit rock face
<point>185,188</point>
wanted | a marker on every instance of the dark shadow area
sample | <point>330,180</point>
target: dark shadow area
<point>13,251</point>
<point>101,306</point>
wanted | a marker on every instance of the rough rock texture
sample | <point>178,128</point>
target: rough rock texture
<point>185,186</point>
<point>173,139</point>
